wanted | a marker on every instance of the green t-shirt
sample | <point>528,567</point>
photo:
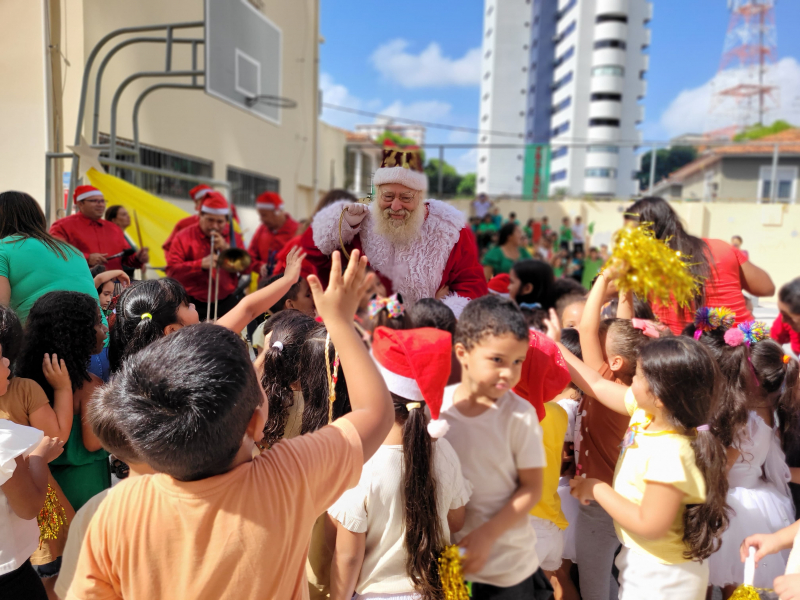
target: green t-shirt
<point>32,270</point>
<point>565,234</point>
<point>487,228</point>
<point>499,262</point>
<point>590,270</point>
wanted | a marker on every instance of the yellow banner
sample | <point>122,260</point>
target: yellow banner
<point>157,217</point>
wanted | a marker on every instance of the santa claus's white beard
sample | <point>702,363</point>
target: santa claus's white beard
<point>399,233</point>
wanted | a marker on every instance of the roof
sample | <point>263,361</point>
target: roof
<point>789,140</point>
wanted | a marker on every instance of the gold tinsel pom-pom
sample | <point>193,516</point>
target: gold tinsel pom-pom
<point>746,592</point>
<point>451,574</point>
<point>654,270</point>
<point>52,517</point>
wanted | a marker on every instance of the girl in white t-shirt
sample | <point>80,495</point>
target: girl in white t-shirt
<point>392,527</point>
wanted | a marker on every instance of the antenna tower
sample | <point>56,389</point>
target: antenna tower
<point>751,46</point>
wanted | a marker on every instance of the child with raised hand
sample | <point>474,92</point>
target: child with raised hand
<point>497,438</point>
<point>24,454</point>
<point>610,348</point>
<point>214,521</point>
<point>392,527</point>
<point>668,496</point>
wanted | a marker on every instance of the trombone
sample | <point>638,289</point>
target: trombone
<point>232,260</point>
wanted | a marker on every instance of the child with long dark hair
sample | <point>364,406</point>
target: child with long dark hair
<point>756,410</point>
<point>392,527</point>
<point>68,325</point>
<point>532,283</point>
<point>668,495</point>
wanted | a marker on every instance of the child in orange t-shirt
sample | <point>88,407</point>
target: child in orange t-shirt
<point>216,522</point>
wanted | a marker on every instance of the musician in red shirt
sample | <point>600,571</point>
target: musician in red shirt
<point>198,194</point>
<point>276,229</point>
<point>101,242</point>
<point>189,258</point>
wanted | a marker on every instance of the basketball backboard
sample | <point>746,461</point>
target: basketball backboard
<point>243,57</point>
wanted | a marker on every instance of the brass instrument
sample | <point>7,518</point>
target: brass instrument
<point>232,260</point>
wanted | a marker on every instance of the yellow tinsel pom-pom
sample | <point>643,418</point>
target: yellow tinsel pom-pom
<point>451,574</point>
<point>52,517</point>
<point>654,270</point>
<point>746,592</point>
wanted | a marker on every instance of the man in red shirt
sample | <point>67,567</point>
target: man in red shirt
<point>102,242</point>
<point>786,328</point>
<point>189,258</point>
<point>276,229</point>
<point>198,194</point>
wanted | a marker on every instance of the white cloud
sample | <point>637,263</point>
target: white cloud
<point>336,93</point>
<point>466,162</point>
<point>425,110</point>
<point>429,68</point>
<point>691,111</point>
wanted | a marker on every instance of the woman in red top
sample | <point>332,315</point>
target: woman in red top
<point>724,271</point>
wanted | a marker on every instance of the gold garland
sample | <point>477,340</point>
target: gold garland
<point>52,517</point>
<point>747,592</point>
<point>451,575</point>
<point>333,376</point>
<point>341,239</point>
<point>654,270</point>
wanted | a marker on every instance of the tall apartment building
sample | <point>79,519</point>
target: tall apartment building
<point>583,78</point>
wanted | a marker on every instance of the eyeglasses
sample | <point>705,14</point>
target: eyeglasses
<point>94,200</point>
<point>404,198</point>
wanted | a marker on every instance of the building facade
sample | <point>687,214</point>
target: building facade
<point>583,80</point>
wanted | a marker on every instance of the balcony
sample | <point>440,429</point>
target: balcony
<point>601,186</point>
<point>608,56</point>
<point>604,134</point>
<point>605,110</point>
<point>611,30</point>
<point>605,160</point>
<point>607,83</point>
<point>614,7</point>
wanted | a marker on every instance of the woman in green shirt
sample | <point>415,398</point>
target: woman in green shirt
<point>32,262</point>
<point>509,250</point>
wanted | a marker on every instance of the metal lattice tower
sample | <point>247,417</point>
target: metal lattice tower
<point>751,46</point>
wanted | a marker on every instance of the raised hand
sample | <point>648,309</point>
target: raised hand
<point>56,372</point>
<point>294,264</point>
<point>355,213</point>
<point>345,290</point>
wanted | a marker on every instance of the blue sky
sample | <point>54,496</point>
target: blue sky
<point>421,60</point>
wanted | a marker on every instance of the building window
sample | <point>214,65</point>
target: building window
<point>484,118</point>
<point>489,10</point>
<point>489,32</point>
<point>608,71</point>
<point>562,105</point>
<point>603,122</point>
<point>486,96</point>
<point>611,19</point>
<point>562,151</point>
<point>487,75</point>
<point>600,44</point>
<point>564,57</point>
<point>488,53</point>
<point>150,156</point>
<point>533,66</point>
<point>562,13</point>
<point>787,183</point>
<point>246,186</point>
<point>603,172</point>
<point>606,96</point>
<point>563,128</point>
<point>564,34</point>
<point>558,175</point>
<point>563,81</point>
<point>603,149</point>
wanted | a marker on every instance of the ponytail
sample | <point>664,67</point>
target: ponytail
<point>777,375</point>
<point>288,330</point>
<point>704,523</point>
<point>424,535</point>
<point>315,385</point>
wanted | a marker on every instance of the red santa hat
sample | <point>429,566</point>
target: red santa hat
<point>544,372</point>
<point>415,365</point>
<point>199,192</point>
<point>85,191</point>
<point>403,166</point>
<point>498,285</point>
<point>215,204</point>
<point>269,201</point>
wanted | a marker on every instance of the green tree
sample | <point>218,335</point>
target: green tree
<point>667,162</point>
<point>467,185</point>
<point>755,132</point>
<point>450,178</point>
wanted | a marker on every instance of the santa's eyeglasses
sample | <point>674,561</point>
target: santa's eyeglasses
<point>405,198</point>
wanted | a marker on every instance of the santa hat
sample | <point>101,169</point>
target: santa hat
<point>269,201</point>
<point>498,285</point>
<point>85,191</point>
<point>415,365</point>
<point>215,204</point>
<point>199,192</point>
<point>403,166</point>
<point>544,372</point>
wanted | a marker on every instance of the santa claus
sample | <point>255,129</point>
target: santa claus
<point>419,248</point>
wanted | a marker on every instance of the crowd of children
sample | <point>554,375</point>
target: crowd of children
<point>565,441</point>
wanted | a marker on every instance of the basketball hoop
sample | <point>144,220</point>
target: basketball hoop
<point>276,101</point>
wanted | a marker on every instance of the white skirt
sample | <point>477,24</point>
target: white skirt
<point>570,507</point>
<point>759,510</point>
<point>643,577</point>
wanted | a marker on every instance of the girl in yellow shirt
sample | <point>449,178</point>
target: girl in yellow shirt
<point>668,497</point>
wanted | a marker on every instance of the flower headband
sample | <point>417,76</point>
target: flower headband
<point>393,305</point>
<point>747,333</point>
<point>709,319</point>
<point>650,328</point>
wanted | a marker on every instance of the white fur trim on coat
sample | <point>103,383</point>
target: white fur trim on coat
<point>456,303</point>
<point>415,180</point>
<point>325,227</point>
